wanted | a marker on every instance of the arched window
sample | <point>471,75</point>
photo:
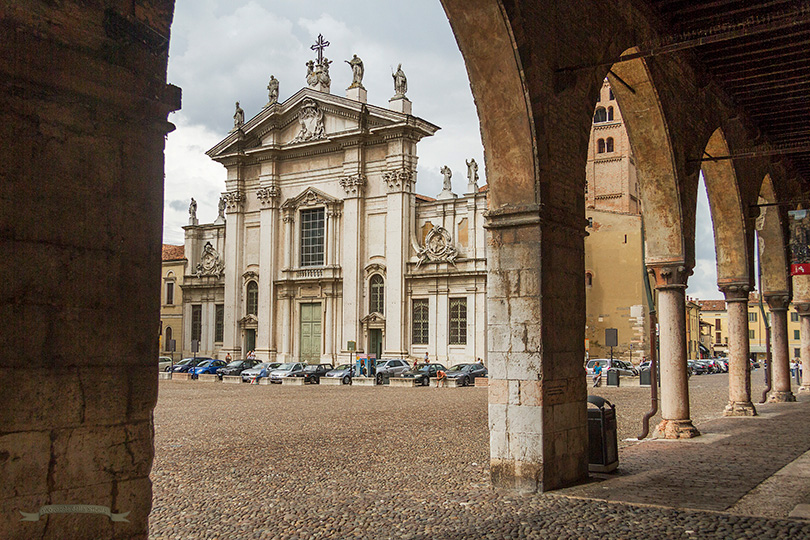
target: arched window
<point>252,298</point>
<point>600,146</point>
<point>167,338</point>
<point>588,280</point>
<point>376,294</point>
<point>609,145</point>
<point>610,114</point>
<point>600,116</point>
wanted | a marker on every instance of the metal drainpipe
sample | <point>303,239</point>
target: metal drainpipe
<point>645,422</point>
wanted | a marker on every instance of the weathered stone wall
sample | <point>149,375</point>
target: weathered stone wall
<point>83,117</point>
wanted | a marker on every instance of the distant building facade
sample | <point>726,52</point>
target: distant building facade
<point>171,302</point>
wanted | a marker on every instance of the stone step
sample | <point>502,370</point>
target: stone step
<point>364,381</point>
<point>402,381</point>
<point>265,381</point>
<point>292,381</point>
<point>207,377</point>
<point>482,382</point>
<point>164,376</point>
<point>232,379</point>
<point>181,377</point>
<point>331,381</point>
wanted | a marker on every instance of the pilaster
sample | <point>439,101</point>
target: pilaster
<point>803,308</point>
<point>351,257</point>
<point>234,231</point>
<point>268,196</point>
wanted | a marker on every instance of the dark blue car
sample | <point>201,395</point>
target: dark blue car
<point>186,364</point>
<point>208,367</point>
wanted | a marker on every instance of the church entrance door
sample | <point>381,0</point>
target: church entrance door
<point>375,342</point>
<point>310,333</point>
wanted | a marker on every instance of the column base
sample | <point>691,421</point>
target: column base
<point>516,475</point>
<point>676,429</point>
<point>740,408</point>
<point>784,396</point>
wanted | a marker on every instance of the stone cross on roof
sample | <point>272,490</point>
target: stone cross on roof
<point>319,46</point>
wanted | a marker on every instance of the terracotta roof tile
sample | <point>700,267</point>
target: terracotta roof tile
<point>712,305</point>
<point>173,253</point>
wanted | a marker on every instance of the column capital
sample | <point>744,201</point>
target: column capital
<point>735,292</point>
<point>777,301</point>
<point>803,308</point>
<point>398,180</point>
<point>669,276</point>
<point>233,200</point>
<point>268,194</point>
<point>353,185</point>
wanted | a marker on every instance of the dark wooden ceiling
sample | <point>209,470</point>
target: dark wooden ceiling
<point>758,51</point>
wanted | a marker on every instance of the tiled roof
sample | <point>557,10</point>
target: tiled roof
<point>712,305</point>
<point>173,253</point>
<point>424,198</point>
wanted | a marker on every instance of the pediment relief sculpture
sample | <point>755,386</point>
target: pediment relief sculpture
<point>438,248</point>
<point>375,268</point>
<point>310,197</point>
<point>211,264</point>
<point>250,275</point>
<point>310,118</point>
<point>373,318</point>
<point>249,320</point>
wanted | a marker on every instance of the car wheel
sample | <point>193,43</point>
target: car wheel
<point>379,378</point>
<point>347,379</point>
<point>426,381</point>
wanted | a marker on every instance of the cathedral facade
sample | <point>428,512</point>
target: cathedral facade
<point>322,249</point>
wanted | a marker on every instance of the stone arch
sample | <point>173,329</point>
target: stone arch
<point>771,248</point>
<point>656,169</point>
<point>728,217</point>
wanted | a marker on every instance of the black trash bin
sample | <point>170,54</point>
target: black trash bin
<point>613,377</point>
<point>644,377</point>
<point>603,442</point>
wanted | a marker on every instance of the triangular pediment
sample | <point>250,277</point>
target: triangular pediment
<point>311,117</point>
<point>373,318</point>
<point>310,197</point>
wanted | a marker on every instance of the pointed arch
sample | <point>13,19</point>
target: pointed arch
<point>772,256</point>
<point>728,216</point>
<point>655,162</point>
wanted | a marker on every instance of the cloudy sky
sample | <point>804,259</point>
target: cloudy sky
<point>225,51</point>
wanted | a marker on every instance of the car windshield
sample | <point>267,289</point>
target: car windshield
<point>206,363</point>
<point>422,367</point>
<point>235,363</point>
<point>459,367</point>
<point>311,368</point>
<point>343,366</point>
<point>184,361</point>
<point>261,366</point>
<point>285,367</point>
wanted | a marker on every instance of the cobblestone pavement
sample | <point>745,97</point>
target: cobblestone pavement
<point>239,461</point>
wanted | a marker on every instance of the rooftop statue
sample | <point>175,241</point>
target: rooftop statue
<point>400,82</point>
<point>272,90</point>
<point>357,71</point>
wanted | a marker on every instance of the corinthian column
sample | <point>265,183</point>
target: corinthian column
<point>804,317</point>
<point>670,282</point>
<point>739,369</point>
<point>778,304</point>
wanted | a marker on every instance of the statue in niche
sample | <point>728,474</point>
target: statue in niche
<point>311,120</point>
<point>192,210</point>
<point>400,82</point>
<point>357,71</point>
<point>472,172</point>
<point>448,174</point>
<point>272,90</point>
<point>238,117</point>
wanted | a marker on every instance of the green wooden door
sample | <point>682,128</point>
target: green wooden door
<point>310,333</point>
<point>250,341</point>
<point>375,342</point>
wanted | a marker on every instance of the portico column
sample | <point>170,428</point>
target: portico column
<point>739,369</point>
<point>804,317</point>
<point>670,282</point>
<point>780,393</point>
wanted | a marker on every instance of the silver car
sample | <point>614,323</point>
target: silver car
<point>286,370</point>
<point>392,367</point>
<point>624,368</point>
<point>255,371</point>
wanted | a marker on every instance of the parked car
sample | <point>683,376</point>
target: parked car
<point>344,372</point>
<point>164,362</point>
<point>236,367</point>
<point>423,372</point>
<point>250,373</point>
<point>208,367</point>
<point>184,365</point>
<point>312,373</point>
<point>465,374</point>
<point>624,368</point>
<point>698,368</point>
<point>393,368</point>
<point>288,369</point>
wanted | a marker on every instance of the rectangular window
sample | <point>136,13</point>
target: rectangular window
<point>794,317</point>
<point>718,338</point>
<point>751,334</point>
<point>312,237</point>
<point>196,322</point>
<point>797,335</point>
<point>169,293</point>
<point>797,353</point>
<point>458,321</point>
<point>752,316</point>
<point>717,324</point>
<point>421,318</point>
<point>219,324</point>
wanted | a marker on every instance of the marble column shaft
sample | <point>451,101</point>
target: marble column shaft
<point>739,369</point>
<point>780,366</point>
<point>670,282</point>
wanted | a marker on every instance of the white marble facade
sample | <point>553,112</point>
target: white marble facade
<point>324,241</point>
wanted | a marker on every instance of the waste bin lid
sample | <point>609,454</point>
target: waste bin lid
<point>599,401</point>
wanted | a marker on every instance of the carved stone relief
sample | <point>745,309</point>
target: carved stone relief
<point>353,184</point>
<point>438,248</point>
<point>311,120</point>
<point>399,180</point>
<point>211,263</point>
<point>233,200</point>
<point>267,194</point>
